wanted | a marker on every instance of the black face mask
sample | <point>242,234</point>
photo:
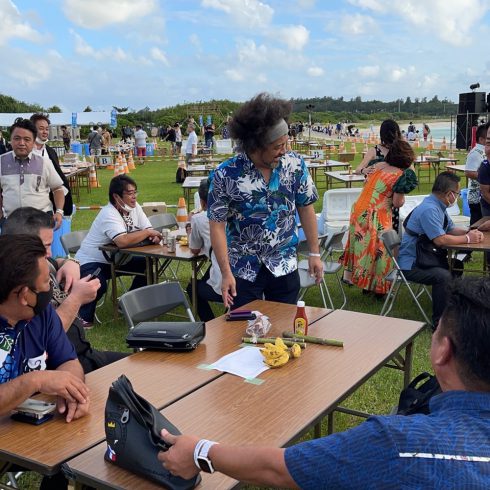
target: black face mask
<point>43,299</point>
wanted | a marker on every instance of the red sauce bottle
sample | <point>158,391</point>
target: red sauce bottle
<point>300,320</point>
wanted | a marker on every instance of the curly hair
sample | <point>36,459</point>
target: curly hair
<point>389,132</point>
<point>254,118</point>
<point>400,154</point>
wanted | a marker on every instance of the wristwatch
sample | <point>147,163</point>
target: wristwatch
<point>201,455</point>
<point>60,211</point>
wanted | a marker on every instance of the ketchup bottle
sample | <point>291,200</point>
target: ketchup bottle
<point>300,320</point>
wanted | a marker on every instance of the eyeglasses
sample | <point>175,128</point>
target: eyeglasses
<point>131,193</point>
<point>456,193</point>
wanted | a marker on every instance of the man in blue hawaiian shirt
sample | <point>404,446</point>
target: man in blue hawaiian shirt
<point>252,205</point>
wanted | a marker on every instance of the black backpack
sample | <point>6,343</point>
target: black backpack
<point>416,396</point>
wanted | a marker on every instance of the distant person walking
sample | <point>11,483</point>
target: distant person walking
<point>426,131</point>
<point>140,137</point>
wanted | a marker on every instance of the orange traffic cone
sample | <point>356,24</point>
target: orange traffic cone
<point>353,148</point>
<point>117,166</point>
<point>341,147</point>
<point>93,182</point>
<point>430,146</point>
<point>131,164</point>
<point>181,214</point>
<point>443,144</point>
<point>111,165</point>
<point>416,144</point>
<point>124,164</point>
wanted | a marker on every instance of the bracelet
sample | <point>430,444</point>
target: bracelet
<point>60,211</point>
<point>467,238</point>
<point>311,254</point>
<point>71,259</point>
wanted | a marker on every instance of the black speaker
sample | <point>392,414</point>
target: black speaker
<point>463,130</point>
<point>472,102</point>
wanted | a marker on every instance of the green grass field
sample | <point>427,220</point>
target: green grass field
<point>156,182</point>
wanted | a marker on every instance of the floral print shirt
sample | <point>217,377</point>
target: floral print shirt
<point>260,216</point>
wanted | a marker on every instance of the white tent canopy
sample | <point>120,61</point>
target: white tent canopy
<point>61,118</point>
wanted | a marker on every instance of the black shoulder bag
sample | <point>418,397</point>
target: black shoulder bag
<point>416,396</point>
<point>428,255</point>
<point>132,429</point>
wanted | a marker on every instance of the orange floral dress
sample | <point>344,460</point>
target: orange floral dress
<point>365,259</point>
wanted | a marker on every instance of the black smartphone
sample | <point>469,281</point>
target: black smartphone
<point>230,317</point>
<point>96,273</point>
<point>29,419</point>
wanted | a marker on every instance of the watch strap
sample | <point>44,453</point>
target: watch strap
<point>201,452</point>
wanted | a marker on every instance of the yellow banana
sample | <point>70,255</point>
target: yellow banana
<point>277,361</point>
<point>272,353</point>
<point>295,350</point>
<point>280,344</point>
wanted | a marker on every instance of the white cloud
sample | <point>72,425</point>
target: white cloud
<point>14,26</point>
<point>234,75</point>
<point>196,42</point>
<point>94,14</point>
<point>368,71</point>
<point>295,37</point>
<point>397,74</point>
<point>356,24</point>
<point>306,4</point>
<point>246,13</point>
<point>83,48</point>
<point>376,5</point>
<point>315,71</point>
<point>158,55</point>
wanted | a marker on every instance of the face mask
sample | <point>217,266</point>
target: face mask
<point>126,207</point>
<point>449,203</point>
<point>39,141</point>
<point>43,299</point>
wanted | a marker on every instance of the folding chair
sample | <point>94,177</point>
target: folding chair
<point>328,243</point>
<point>149,302</point>
<point>163,220</point>
<point>391,241</point>
<point>71,241</point>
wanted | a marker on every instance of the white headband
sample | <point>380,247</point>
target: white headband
<point>280,129</point>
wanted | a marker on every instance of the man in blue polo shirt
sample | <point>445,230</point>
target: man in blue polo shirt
<point>430,218</point>
<point>35,354</point>
<point>252,206</point>
<point>448,449</point>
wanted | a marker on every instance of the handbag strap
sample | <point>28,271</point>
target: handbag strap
<point>413,233</point>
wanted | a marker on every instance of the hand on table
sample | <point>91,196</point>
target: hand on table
<point>475,236</point>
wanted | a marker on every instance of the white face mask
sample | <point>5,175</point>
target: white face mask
<point>127,207</point>
<point>39,141</point>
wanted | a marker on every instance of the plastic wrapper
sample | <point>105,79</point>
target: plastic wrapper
<point>259,327</point>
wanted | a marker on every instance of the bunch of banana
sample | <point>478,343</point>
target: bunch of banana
<point>278,354</point>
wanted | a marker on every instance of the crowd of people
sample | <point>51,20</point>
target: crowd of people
<point>247,227</point>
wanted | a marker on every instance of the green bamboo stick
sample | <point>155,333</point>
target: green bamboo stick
<point>289,343</point>
<point>313,340</point>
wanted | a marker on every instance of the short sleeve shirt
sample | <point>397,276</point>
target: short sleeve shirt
<point>108,225</point>
<point>192,140</point>
<point>473,162</point>
<point>260,216</point>
<point>426,219</point>
<point>35,345</point>
<point>140,138</point>
<point>27,182</point>
<point>448,449</point>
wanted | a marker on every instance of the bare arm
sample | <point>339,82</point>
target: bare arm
<point>398,200</point>
<point>127,239</point>
<point>457,236</point>
<point>471,174</point>
<point>82,292</point>
<point>218,241</point>
<point>308,222</point>
<point>257,465</point>
<point>370,154</point>
<point>485,192</point>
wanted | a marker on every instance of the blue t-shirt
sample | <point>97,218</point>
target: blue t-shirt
<point>448,449</point>
<point>35,345</point>
<point>427,218</point>
<point>260,216</point>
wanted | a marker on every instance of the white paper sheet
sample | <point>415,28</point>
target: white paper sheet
<point>246,362</point>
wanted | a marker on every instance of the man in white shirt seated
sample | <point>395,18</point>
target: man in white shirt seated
<point>123,223</point>
<point>209,286</point>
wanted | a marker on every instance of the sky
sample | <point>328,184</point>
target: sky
<point>158,53</point>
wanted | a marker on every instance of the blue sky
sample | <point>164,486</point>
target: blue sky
<point>158,53</point>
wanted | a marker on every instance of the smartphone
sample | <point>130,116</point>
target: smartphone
<point>238,315</point>
<point>96,273</point>
<point>29,419</point>
<point>35,407</point>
